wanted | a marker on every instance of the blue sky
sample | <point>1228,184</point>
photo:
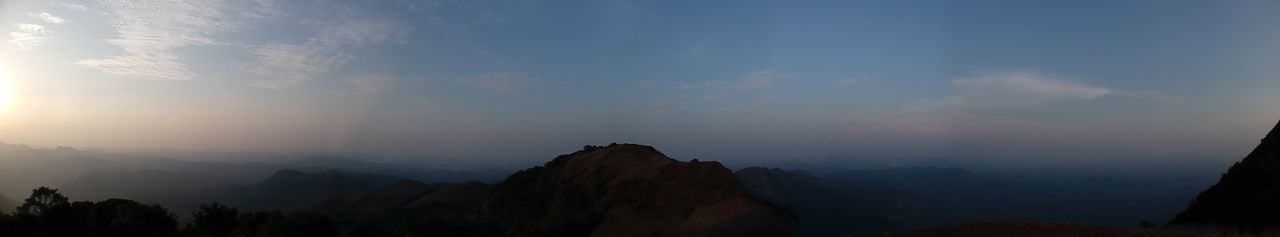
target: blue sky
<point>1013,82</point>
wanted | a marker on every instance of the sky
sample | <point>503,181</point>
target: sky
<point>984,82</point>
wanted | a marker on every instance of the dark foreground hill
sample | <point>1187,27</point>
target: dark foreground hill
<point>1246,199</point>
<point>628,190</point>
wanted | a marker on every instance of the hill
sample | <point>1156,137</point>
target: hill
<point>1246,197</point>
<point>628,190</point>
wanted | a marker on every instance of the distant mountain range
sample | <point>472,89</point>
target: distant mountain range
<point>620,189</point>
<point>1246,199</point>
<point>292,190</point>
<point>828,207</point>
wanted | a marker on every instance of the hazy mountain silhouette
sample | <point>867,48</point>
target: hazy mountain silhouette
<point>7,204</point>
<point>628,190</point>
<point>1247,198</point>
<point>292,190</point>
<point>827,207</point>
<point>23,167</point>
<point>947,196</point>
<point>408,201</point>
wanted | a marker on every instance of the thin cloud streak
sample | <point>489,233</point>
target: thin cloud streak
<point>74,7</point>
<point>975,96</point>
<point>497,81</point>
<point>47,17</point>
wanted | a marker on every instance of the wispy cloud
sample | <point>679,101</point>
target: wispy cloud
<point>849,82</point>
<point>975,95</point>
<point>290,63</point>
<point>993,90</point>
<point>760,80</point>
<point>30,36</point>
<point>374,83</point>
<point>46,17</point>
<point>720,90</point>
<point>149,31</point>
<point>497,81</point>
<point>27,36</point>
<point>73,6</point>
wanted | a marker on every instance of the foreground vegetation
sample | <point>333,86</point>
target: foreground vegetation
<point>48,213</point>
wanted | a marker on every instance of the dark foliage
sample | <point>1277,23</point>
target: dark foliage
<point>214,219</point>
<point>47,213</point>
<point>43,200</point>
<point>279,224</point>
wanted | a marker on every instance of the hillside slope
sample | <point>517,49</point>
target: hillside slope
<point>1247,198</point>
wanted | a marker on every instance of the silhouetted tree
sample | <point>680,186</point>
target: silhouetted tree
<point>214,219</point>
<point>49,213</point>
<point>277,224</point>
<point>42,200</point>
<point>368,227</point>
<point>7,225</point>
<point>120,217</point>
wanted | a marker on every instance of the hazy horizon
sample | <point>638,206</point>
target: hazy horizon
<point>983,83</point>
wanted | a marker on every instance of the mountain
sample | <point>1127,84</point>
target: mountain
<point>1246,198</point>
<point>23,168</point>
<point>628,190</point>
<point>291,190</point>
<point>180,191</point>
<point>405,196</point>
<point>827,207</point>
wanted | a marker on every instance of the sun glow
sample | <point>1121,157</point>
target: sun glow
<point>6,90</point>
